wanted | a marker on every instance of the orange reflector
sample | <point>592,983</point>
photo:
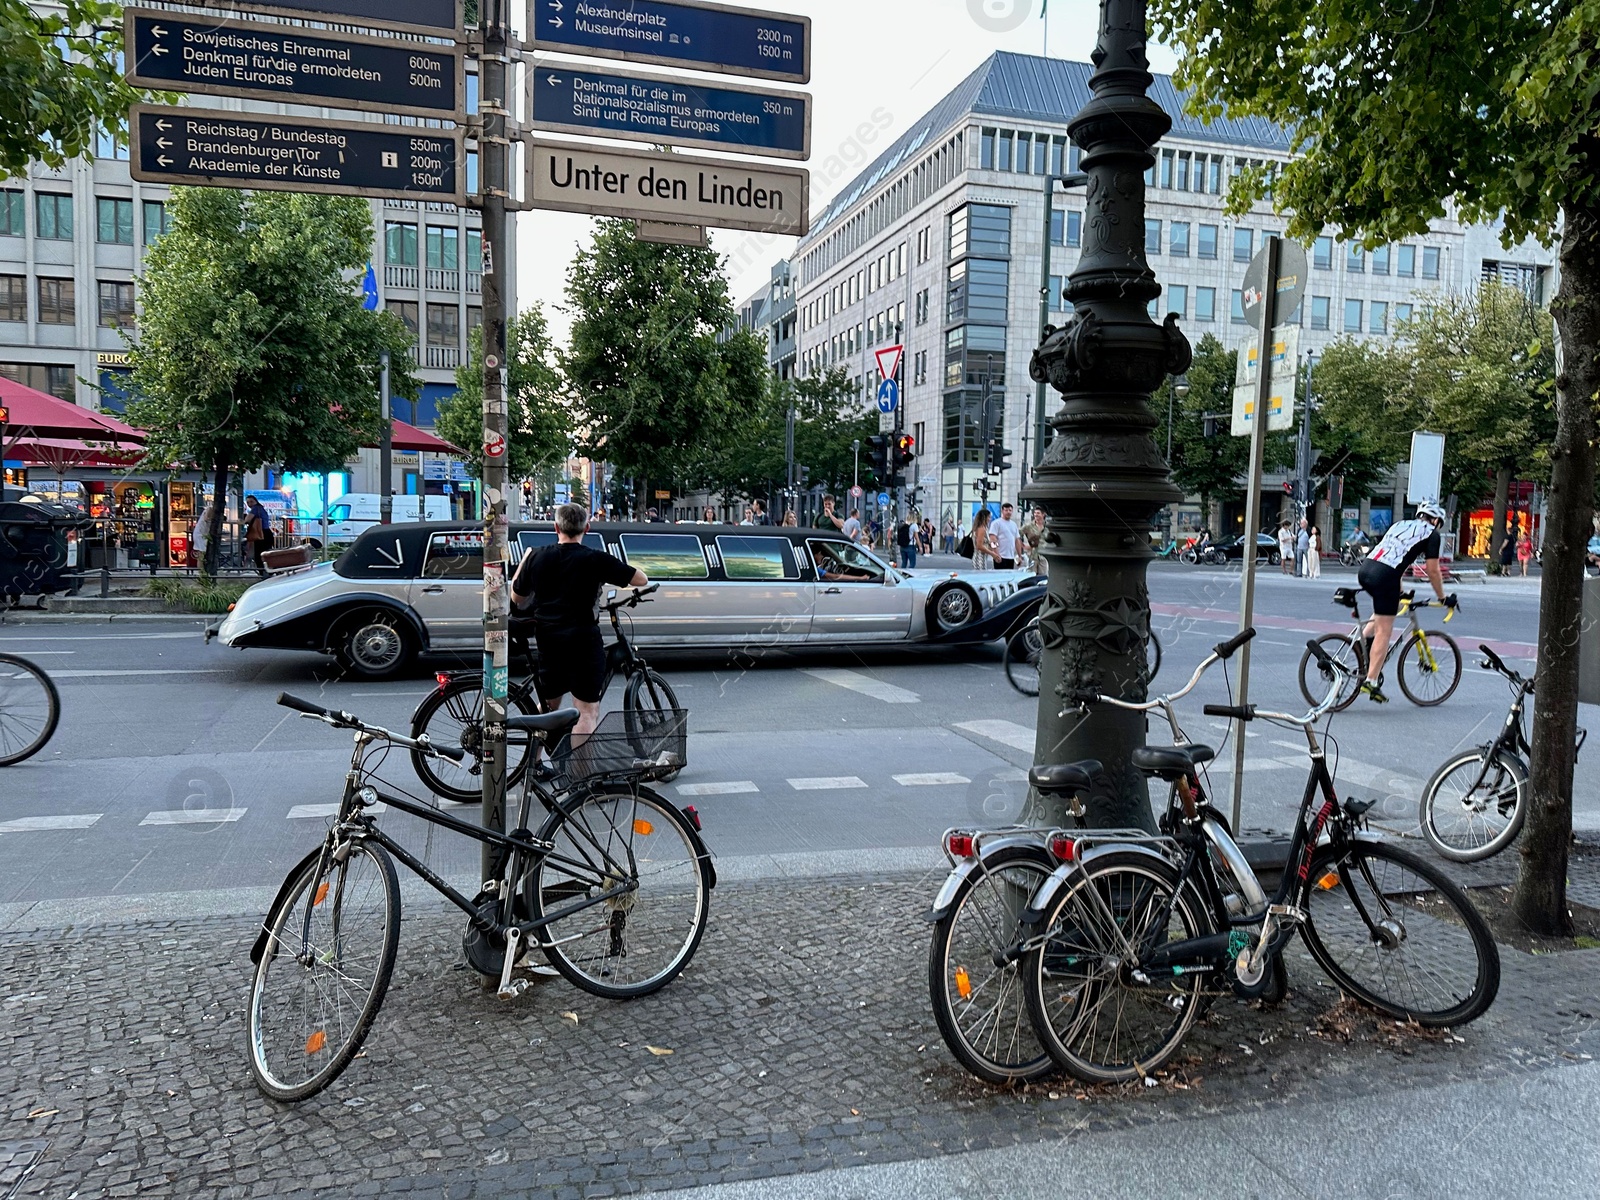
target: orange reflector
<point>1329,881</point>
<point>642,827</point>
<point>322,893</point>
<point>231,607</point>
<point>963,982</point>
<point>316,1042</point>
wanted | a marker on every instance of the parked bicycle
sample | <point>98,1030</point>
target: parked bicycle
<point>1474,805</point>
<point>30,709</point>
<point>613,889</point>
<point>1428,660</point>
<point>452,714</point>
<point>1023,649</point>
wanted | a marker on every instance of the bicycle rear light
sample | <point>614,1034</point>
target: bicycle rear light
<point>1063,848</point>
<point>959,845</point>
<point>441,678</point>
<point>694,816</point>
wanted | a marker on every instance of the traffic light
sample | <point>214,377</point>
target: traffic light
<point>905,450</point>
<point>1208,425</point>
<point>997,456</point>
<point>878,456</point>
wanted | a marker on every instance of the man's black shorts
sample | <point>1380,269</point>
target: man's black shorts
<point>571,661</point>
<point>1383,585</point>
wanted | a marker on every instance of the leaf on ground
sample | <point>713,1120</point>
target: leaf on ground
<point>43,1112</point>
<point>658,1051</point>
<point>570,1016</point>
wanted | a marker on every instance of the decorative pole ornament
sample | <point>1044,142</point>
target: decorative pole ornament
<point>1103,477</point>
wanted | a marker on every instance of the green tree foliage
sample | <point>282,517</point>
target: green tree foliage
<point>1400,113</point>
<point>53,103</point>
<point>1214,467</point>
<point>655,392</point>
<point>253,346</point>
<point>539,419</point>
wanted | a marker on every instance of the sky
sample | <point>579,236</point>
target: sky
<point>880,62</point>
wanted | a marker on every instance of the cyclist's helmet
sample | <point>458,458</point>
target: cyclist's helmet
<point>1429,509</point>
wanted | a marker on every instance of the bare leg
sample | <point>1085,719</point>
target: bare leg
<point>1380,628</point>
<point>588,718</point>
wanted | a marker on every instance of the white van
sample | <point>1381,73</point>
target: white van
<point>354,513</point>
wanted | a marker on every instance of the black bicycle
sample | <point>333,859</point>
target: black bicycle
<point>30,709</point>
<point>613,887</point>
<point>452,714</point>
<point>1024,648</point>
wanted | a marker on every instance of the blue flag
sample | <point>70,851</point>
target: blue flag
<point>369,289</point>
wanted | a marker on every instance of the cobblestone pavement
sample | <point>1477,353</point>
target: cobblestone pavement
<point>800,1039</point>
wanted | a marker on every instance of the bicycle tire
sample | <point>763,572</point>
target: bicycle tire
<point>309,1057</point>
<point>30,709</point>
<point>1022,659</point>
<point>980,1008</point>
<point>461,702</point>
<point>1342,649</point>
<point>648,693</point>
<point>1078,969</point>
<point>1353,924</point>
<point>1450,840</point>
<point>601,839</point>
<point>1152,656</point>
<point>1439,641</point>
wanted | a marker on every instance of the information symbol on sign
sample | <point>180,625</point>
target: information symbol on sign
<point>888,396</point>
<point>390,158</point>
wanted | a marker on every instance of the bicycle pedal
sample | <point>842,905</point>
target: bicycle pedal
<point>513,989</point>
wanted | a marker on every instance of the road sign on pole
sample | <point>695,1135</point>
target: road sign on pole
<point>888,395</point>
<point>889,360</point>
<point>1291,285</point>
<point>254,60</point>
<point>1284,367</point>
<point>677,33</point>
<point>662,109</point>
<point>438,17</point>
<point>673,188</point>
<point>293,154</point>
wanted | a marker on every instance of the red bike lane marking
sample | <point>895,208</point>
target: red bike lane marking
<point>1524,650</point>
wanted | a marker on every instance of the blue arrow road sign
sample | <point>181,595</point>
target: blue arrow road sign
<point>655,108</point>
<point>888,396</point>
<point>678,33</point>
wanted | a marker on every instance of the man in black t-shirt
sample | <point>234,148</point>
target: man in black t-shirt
<point>563,583</point>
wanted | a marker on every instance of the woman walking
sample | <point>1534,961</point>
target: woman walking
<point>1525,552</point>
<point>1314,555</point>
<point>985,548</point>
<point>1285,549</point>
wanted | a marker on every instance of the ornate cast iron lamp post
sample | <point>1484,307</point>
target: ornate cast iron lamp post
<point>1103,476</point>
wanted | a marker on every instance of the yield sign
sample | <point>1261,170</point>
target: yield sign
<point>889,360</point>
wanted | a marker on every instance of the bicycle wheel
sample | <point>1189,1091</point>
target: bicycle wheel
<point>453,716</point>
<point>639,940</point>
<point>316,992</point>
<point>1152,656</point>
<point>1314,681</point>
<point>1022,659</point>
<point>980,1008</point>
<point>1471,808</point>
<point>1394,932</point>
<point>30,708</point>
<point>1097,1021</point>
<point>1429,668</point>
<point>650,713</point>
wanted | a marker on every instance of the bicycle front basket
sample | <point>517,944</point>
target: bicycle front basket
<point>647,744</point>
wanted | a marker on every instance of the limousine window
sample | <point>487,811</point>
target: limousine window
<point>757,558</point>
<point>840,562</point>
<point>532,539</point>
<point>454,556</point>
<point>665,555</point>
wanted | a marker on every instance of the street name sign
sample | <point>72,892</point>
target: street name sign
<point>438,17</point>
<point>658,108</point>
<point>672,188</point>
<point>675,33</point>
<point>293,154</point>
<point>255,60</point>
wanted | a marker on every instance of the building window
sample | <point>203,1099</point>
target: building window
<point>443,246</point>
<point>1378,317</point>
<point>977,290</point>
<point>1055,286</point>
<point>1352,316</point>
<point>1406,261</point>
<point>13,298</point>
<point>1058,155</point>
<point>1321,306</point>
<point>51,379</point>
<point>986,150</point>
<point>1152,236</point>
<point>1003,163</point>
<point>921,308</point>
<point>1150,176</point>
<point>53,216</point>
<point>1184,162</point>
<point>406,310</point>
<point>981,229</point>
<point>1166,168</point>
<point>1178,299</point>
<point>474,317</point>
<point>57,302</point>
<point>1322,253</point>
<point>1355,259</point>
<point>1236,308</point>
<point>1067,228</point>
<point>116,305</point>
<point>1402,314</point>
<point>1205,304</point>
<point>475,250</point>
<point>156,221</point>
<point>1244,245</point>
<point>399,244</point>
<point>1024,152</point>
<point>1178,239</point>
<point>12,223</point>
<point>1380,261</point>
<point>115,221</point>
<point>444,325</point>
<point>1073,154</point>
<point>1206,242</point>
<point>1430,262</point>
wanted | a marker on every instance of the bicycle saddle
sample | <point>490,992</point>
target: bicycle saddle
<point>1171,761</point>
<point>1064,777</point>
<point>556,722</point>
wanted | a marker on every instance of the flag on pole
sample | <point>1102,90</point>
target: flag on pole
<point>369,289</point>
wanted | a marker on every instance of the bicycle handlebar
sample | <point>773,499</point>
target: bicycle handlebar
<point>344,720</point>
<point>1234,712</point>
<point>638,597</point>
<point>1493,662</point>
<point>1225,649</point>
<point>1082,698</point>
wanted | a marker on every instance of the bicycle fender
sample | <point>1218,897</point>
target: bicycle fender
<point>1044,898</point>
<point>701,852</point>
<point>964,869</point>
<point>260,944</point>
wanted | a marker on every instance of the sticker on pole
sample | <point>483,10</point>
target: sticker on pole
<point>494,446</point>
<point>889,360</point>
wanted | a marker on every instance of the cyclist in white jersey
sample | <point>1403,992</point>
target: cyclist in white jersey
<point>1380,576</point>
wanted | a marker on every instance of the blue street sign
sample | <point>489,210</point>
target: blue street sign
<point>888,396</point>
<point>656,108</point>
<point>678,33</point>
<point>883,499</point>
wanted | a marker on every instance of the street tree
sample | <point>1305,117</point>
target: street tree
<point>1400,113</point>
<point>539,418</point>
<point>253,347</point>
<point>1212,467</point>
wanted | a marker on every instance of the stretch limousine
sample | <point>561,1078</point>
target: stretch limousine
<point>402,590</point>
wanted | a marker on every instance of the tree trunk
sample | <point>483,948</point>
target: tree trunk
<point>1540,901</point>
<point>1502,493</point>
<point>219,507</point>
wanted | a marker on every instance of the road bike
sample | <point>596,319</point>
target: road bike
<point>1429,660</point>
<point>613,888</point>
<point>1128,938</point>
<point>1024,647</point>
<point>1474,805</point>
<point>30,709</point>
<point>452,714</point>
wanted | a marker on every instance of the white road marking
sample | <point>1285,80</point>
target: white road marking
<point>36,824</point>
<point>136,674</point>
<point>47,653</point>
<point>865,684</point>
<point>732,787</point>
<point>361,695</point>
<point>930,779</point>
<point>823,783</point>
<point>107,637</point>
<point>1007,733</point>
<point>322,810</point>
<point>194,816</point>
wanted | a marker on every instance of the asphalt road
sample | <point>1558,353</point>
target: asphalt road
<point>175,781</point>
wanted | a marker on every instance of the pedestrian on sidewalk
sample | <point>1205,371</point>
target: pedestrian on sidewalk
<point>905,540</point>
<point>257,532</point>
<point>1285,549</point>
<point>1524,553</point>
<point>1314,555</point>
<point>1508,549</point>
<point>851,527</point>
<point>1302,547</point>
<point>827,518</point>
<point>948,542</point>
<point>790,521</point>
<point>1032,535</point>
<point>202,534</point>
<point>1007,538</point>
<point>984,550</point>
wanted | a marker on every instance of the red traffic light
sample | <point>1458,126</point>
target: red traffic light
<point>5,414</point>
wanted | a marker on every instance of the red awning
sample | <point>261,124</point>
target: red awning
<point>65,454</point>
<point>409,437</point>
<point>35,414</point>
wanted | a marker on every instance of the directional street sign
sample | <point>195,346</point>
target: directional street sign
<point>254,60</point>
<point>294,154</point>
<point>676,33</point>
<point>673,188</point>
<point>889,360</point>
<point>888,395</point>
<point>657,108</point>
<point>425,16</point>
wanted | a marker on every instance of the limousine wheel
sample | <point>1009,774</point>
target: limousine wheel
<point>374,644</point>
<point>952,606</point>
